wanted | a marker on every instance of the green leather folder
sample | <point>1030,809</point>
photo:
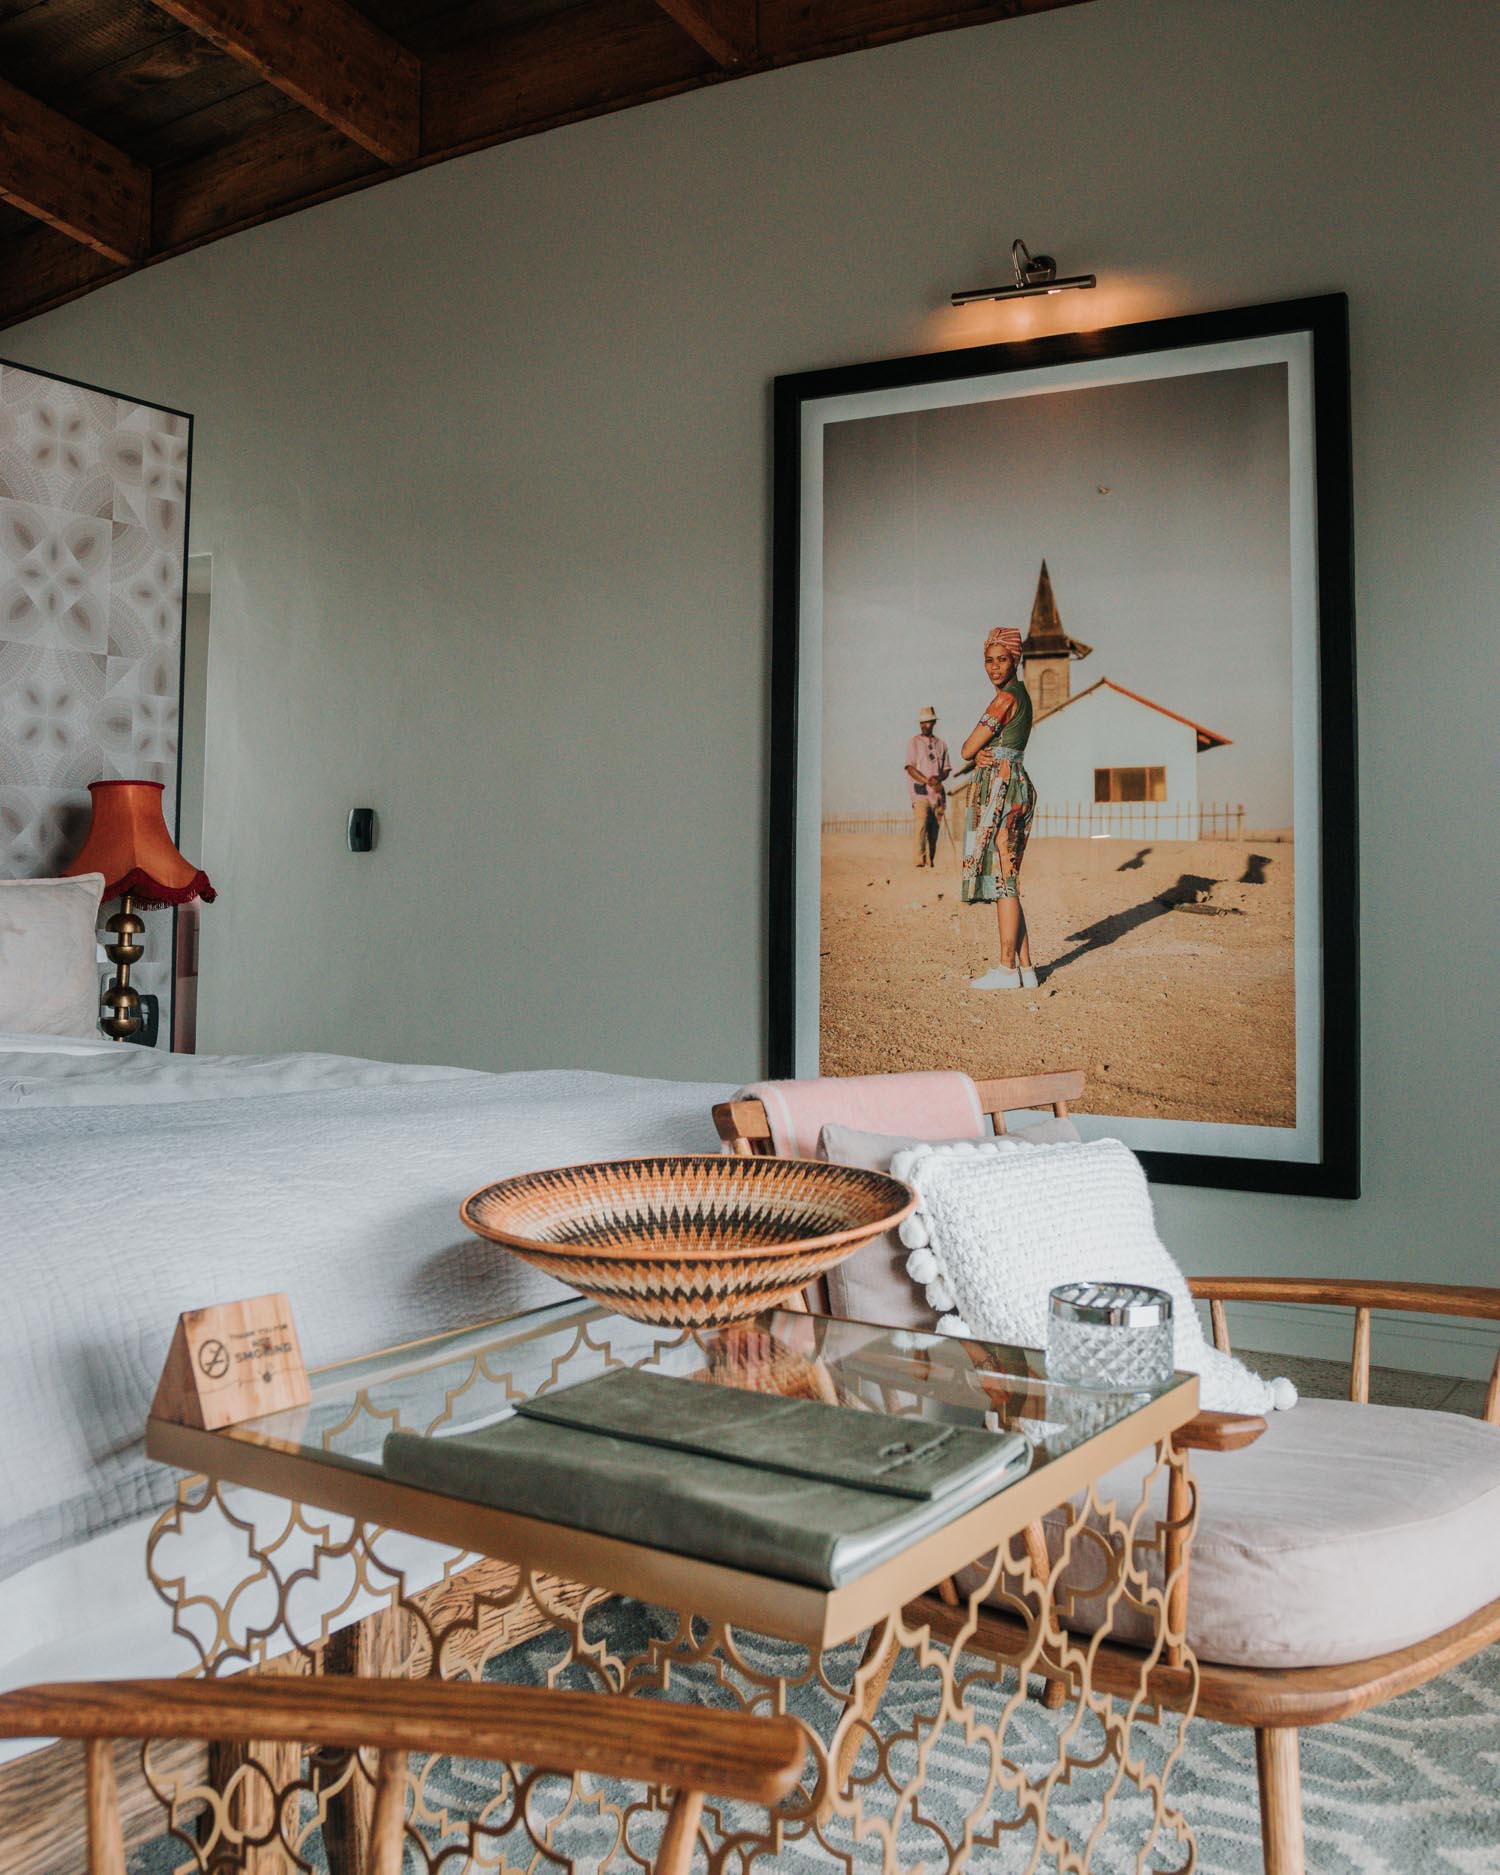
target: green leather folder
<point>789,1488</point>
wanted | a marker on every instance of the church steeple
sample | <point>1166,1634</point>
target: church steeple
<point>1048,650</point>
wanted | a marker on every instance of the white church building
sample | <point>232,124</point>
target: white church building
<point>1105,759</point>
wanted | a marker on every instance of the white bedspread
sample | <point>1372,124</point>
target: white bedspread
<point>118,1212</point>
<point>65,1071</point>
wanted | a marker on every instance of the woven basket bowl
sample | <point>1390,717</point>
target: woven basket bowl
<point>688,1239</point>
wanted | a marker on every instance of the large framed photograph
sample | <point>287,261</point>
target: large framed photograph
<point>1063,740</point>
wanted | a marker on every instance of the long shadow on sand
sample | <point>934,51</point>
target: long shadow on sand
<point>1098,937</point>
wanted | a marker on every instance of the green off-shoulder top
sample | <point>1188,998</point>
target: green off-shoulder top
<point>1015,733</point>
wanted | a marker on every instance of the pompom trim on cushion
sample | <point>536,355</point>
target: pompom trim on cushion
<point>924,1266</point>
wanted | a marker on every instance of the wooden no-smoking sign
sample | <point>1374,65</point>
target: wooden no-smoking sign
<point>232,1362</point>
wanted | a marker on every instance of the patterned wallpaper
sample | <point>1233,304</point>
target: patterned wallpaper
<point>93,544</point>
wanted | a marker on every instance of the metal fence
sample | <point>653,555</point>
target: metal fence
<point>1139,820</point>
<point>1090,820</point>
<point>868,823</point>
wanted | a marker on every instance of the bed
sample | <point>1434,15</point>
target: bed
<point>134,1185</point>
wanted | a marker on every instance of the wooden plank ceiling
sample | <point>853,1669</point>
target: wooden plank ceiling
<point>132,130</point>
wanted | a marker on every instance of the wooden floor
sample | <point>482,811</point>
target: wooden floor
<point>1389,1386</point>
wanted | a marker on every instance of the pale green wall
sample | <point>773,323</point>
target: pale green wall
<point>483,466</point>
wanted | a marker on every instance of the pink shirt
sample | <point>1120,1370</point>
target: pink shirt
<point>929,756</point>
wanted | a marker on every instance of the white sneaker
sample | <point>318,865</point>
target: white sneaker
<point>997,979</point>
<point>1028,977</point>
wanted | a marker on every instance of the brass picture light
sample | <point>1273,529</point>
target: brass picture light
<point>1035,274</point>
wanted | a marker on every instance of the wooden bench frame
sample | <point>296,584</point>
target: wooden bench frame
<point>42,1822</point>
<point>692,1751</point>
<point>1275,1702</point>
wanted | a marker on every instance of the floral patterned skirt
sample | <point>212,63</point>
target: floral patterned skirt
<point>999,818</point>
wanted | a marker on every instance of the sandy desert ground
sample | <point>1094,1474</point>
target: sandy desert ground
<point>1174,1012</point>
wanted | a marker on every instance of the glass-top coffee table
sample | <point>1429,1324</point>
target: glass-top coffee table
<point>919,1681</point>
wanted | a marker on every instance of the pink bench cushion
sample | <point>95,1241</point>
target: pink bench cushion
<point>1344,1532</point>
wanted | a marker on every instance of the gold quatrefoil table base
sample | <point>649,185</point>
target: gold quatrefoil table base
<point>929,1749</point>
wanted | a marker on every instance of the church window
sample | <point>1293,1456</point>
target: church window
<point>1130,784</point>
<point>1052,689</point>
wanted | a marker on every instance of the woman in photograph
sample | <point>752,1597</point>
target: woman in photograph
<point>1002,801</point>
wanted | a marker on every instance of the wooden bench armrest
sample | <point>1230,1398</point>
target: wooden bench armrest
<point>1218,1432</point>
<point>680,1747</point>
<point>743,1126</point>
<point>1353,1293</point>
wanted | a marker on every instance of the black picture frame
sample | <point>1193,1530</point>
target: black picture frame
<point>1335,1172</point>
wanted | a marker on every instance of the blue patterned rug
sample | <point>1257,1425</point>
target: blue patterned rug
<point>1411,1788</point>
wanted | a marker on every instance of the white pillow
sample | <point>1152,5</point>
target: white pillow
<point>998,1226</point>
<point>49,980</point>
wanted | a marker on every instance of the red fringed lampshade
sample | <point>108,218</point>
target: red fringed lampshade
<point>128,842</point>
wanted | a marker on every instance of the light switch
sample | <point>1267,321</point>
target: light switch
<point>361,829</point>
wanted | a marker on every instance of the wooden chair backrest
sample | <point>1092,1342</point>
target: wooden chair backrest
<point>691,1750</point>
<point>746,1129</point>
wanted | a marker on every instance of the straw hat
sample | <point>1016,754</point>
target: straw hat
<point>929,715</point>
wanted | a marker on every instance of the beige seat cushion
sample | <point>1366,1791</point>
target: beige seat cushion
<point>1343,1532</point>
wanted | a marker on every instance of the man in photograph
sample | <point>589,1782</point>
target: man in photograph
<point>927,768</point>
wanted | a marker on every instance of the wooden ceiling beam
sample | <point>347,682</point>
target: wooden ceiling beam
<point>329,57</point>
<point>62,174</point>
<point>597,57</point>
<point>41,268</point>
<point>276,167</point>
<point>792,30</point>
<point>591,57</point>
<point>727,30</point>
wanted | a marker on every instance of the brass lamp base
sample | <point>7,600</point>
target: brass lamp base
<point>121,1001</point>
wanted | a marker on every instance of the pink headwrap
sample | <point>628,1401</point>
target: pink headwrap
<point>1008,639</point>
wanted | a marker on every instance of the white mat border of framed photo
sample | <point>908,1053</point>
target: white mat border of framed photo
<point>1303,1142</point>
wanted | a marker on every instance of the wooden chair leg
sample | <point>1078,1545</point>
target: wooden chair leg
<point>681,1833</point>
<point>255,1807</point>
<point>881,1651</point>
<point>1278,1767</point>
<point>1054,1692</point>
<point>102,1806</point>
<point>1175,1554</point>
<point>374,1647</point>
<point>388,1823</point>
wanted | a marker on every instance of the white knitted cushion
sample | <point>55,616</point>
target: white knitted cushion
<point>999,1226</point>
